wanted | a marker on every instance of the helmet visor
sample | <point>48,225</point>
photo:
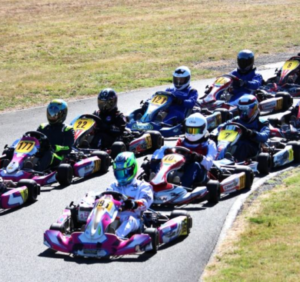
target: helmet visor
<point>124,174</point>
<point>245,64</point>
<point>105,105</point>
<point>53,112</point>
<point>195,130</point>
<point>247,112</point>
<point>179,81</point>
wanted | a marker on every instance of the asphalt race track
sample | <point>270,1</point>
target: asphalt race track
<point>25,258</point>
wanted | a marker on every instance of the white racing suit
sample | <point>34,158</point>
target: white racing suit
<point>139,191</point>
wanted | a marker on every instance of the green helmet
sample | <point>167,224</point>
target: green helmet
<point>125,167</point>
<point>57,111</point>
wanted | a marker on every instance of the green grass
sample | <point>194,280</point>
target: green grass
<point>269,247</point>
<point>73,49</point>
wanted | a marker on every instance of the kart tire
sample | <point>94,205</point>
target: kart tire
<point>4,163</point>
<point>33,189</point>
<point>157,139</point>
<point>9,152</point>
<point>153,233</point>
<point>249,175</point>
<point>296,149</point>
<point>64,174</point>
<point>287,100</point>
<point>117,148</point>
<point>177,213</point>
<point>214,192</point>
<point>264,163</point>
<point>105,160</point>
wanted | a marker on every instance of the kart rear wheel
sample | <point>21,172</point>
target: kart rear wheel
<point>287,100</point>
<point>177,213</point>
<point>214,192</point>
<point>33,189</point>
<point>264,163</point>
<point>153,233</point>
<point>249,175</point>
<point>64,174</point>
<point>156,138</point>
<point>105,160</point>
<point>296,149</point>
<point>117,148</point>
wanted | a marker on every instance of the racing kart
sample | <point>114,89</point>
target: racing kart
<point>88,229</point>
<point>286,79</point>
<point>134,141</point>
<point>274,153</point>
<point>219,94</point>
<point>20,161</point>
<point>167,186</point>
<point>14,194</point>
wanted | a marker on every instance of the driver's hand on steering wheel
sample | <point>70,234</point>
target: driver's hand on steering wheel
<point>251,133</point>
<point>129,205</point>
<point>195,157</point>
<point>177,101</point>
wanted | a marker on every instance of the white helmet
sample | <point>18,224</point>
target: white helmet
<point>195,127</point>
<point>181,77</point>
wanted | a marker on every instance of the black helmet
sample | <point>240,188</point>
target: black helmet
<point>57,111</point>
<point>107,100</point>
<point>245,61</point>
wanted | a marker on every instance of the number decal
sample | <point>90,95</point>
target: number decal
<point>25,146</point>
<point>83,124</point>
<point>227,135</point>
<point>159,100</point>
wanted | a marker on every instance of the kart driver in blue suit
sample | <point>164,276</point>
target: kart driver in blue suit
<point>257,132</point>
<point>249,80</point>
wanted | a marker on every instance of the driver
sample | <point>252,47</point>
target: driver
<point>204,151</point>
<point>139,193</point>
<point>258,130</point>
<point>185,96</point>
<point>113,122</point>
<point>60,135</point>
<point>249,80</point>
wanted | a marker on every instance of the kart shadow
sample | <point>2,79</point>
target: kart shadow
<point>234,194</point>
<point>192,207</point>
<point>8,211</point>
<point>81,260</point>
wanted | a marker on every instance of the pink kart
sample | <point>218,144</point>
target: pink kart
<point>88,229</point>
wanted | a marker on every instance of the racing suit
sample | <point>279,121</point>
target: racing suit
<point>252,81</point>
<point>249,146</point>
<point>185,100</point>
<point>110,130</point>
<point>139,191</point>
<point>61,139</point>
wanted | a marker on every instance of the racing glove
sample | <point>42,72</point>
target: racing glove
<point>129,205</point>
<point>251,133</point>
<point>242,83</point>
<point>196,157</point>
<point>177,101</point>
<point>58,148</point>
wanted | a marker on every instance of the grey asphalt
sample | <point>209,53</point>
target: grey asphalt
<point>25,258</point>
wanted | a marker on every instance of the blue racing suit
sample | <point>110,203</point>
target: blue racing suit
<point>252,82</point>
<point>249,146</point>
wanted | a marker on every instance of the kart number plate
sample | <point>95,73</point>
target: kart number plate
<point>221,81</point>
<point>290,65</point>
<point>83,124</point>
<point>159,99</point>
<point>25,146</point>
<point>227,135</point>
<point>171,159</point>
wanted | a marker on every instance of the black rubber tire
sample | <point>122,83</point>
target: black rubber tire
<point>287,100</point>
<point>117,148</point>
<point>4,163</point>
<point>33,189</point>
<point>9,152</point>
<point>157,139</point>
<point>264,163</point>
<point>105,160</point>
<point>153,233</point>
<point>296,149</point>
<point>214,192</point>
<point>177,213</point>
<point>64,174</point>
<point>249,175</point>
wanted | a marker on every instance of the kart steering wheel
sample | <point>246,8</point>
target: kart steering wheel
<point>244,129</point>
<point>94,117</point>
<point>116,195</point>
<point>182,150</point>
<point>36,134</point>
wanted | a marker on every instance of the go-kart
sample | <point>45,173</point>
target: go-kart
<point>134,141</point>
<point>286,79</point>
<point>20,160</point>
<point>274,153</point>
<point>88,229</point>
<point>167,186</point>
<point>218,96</point>
<point>15,194</point>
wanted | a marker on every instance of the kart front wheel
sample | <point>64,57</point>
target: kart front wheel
<point>287,100</point>
<point>64,174</point>
<point>157,139</point>
<point>32,187</point>
<point>296,149</point>
<point>249,175</point>
<point>117,148</point>
<point>153,233</point>
<point>104,158</point>
<point>177,213</point>
<point>214,192</point>
<point>264,163</point>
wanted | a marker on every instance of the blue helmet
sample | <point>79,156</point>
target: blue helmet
<point>57,111</point>
<point>248,108</point>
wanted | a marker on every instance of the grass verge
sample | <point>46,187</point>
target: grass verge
<point>264,243</point>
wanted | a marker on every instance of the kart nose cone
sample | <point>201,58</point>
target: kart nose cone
<point>12,167</point>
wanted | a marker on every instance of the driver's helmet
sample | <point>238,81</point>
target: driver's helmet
<point>107,100</point>
<point>248,108</point>
<point>125,168</point>
<point>57,111</point>
<point>245,61</point>
<point>195,127</point>
<point>181,77</point>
